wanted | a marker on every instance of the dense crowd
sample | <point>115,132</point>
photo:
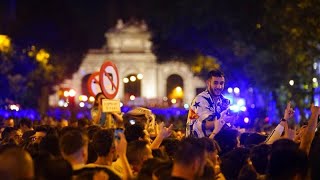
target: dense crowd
<point>52,149</point>
<point>137,146</point>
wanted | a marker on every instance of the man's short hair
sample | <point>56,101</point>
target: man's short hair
<point>134,132</point>
<point>92,130</point>
<point>50,144</point>
<point>259,156</point>
<point>135,151</point>
<point>215,73</point>
<point>102,142</point>
<point>189,150</point>
<point>227,140</point>
<point>26,122</point>
<point>72,141</point>
<point>287,160</point>
<point>6,132</point>
<point>16,163</point>
<point>210,144</point>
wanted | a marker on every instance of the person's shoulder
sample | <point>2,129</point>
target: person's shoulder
<point>97,168</point>
<point>223,97</point>
<point>117,167</point>
<point>203,94</point>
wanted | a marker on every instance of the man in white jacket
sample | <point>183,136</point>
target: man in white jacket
<point>208,106</point>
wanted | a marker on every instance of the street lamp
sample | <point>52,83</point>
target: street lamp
<point>72,92</point>
<point>139,76</point>
<point>291,82</point>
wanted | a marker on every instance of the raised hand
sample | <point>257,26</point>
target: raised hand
<point>309,132</point>
<point>315,110</point>
<point>289,112</point>
<point>165,132</point>
<point>225,118</point>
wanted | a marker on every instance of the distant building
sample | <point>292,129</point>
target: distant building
<point>128,46</point>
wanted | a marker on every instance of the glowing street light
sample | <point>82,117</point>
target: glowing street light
<point>177,93</point>
<point>81,104</point>
<point>125,80</point>
<point>236,90</point>
<point>241,102</point>
<point>139,76</point>
<point>132,97</point>
<point>291,82</point>
<point>173,101</point>
<point>72,92</point>
<point>314,80</point>
<point>61,102</point>
<point>246,120</point>
<point>91,98</point>
<point>66,93</point>
<point>133,78</point>
<point>14,107</point>
<point>83,98</point>
<point>243,108</point>
<point>315,65</point>
<point>230,90</point>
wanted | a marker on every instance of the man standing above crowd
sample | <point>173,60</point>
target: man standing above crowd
<point>208,106</point>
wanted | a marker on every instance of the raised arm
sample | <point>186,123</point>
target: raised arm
<point>121,147</point>
<point>309,132</point>
<point>164,132</point>
<point>282,126</point>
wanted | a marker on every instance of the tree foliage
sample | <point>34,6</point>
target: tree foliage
<point>290,32</point>
<point>24,73</point>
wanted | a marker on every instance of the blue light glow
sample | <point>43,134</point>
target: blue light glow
<point>241,102</point>
<point>243,108</point>
<point>246,120</point>
<point>235,108</point>
<point>236,90</point>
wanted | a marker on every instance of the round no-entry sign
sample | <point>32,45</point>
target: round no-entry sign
<point>109,79</point>
<point>93,84</point>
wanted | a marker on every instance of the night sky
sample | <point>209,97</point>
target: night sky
<point>181,27</point>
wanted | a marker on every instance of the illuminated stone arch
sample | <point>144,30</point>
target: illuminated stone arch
<point>184,71</point>
<point>174,81</point>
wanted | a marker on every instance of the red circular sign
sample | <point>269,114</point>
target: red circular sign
<point>109,79</point>
<point>93,84</point>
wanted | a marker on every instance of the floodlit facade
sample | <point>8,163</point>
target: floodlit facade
<point>129,47</point>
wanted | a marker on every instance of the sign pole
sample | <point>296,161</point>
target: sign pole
<point>109,83</point>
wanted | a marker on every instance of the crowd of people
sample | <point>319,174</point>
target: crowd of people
<point>135,146</point>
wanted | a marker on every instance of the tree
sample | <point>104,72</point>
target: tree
<point>203,64</point>
<point>27,77</point>
<point>290,31</point>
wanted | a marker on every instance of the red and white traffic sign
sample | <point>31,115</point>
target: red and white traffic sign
<point>109,79</point>
<point>93,84</point>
